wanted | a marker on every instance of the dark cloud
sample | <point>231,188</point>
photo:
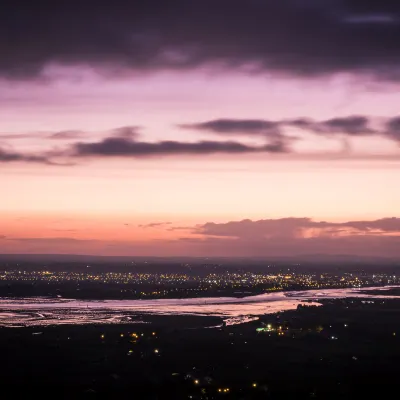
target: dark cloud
<point>277,146</point>
<point>236,126</point>
<point>154,225</point>
<point>127,132</point>
<point>393,128</point>
<point>125,141</point>
<point>7,156</point>
<point>352,125</point>
<point>295,37</point>
<point>125,147</point>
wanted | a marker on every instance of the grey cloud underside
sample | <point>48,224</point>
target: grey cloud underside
<point>125,141</point>
<point>393,128</point>
<point>288,36</point>
<point>11,156</point>
<point>236,126</point>
<point>123,147</point>
<point>353,125</point>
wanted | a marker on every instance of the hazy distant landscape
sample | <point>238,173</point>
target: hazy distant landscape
<point>199,330</point>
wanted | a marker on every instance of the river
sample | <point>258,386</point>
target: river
<point>42,311</point>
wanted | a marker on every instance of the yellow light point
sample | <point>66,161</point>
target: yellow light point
<point>102,336</point>
<point>219,390</point>
<point>156,351</point>
<point>196,382</point>
<point>154,334</point>
<point>394,333</point>
<point>122,335</point>
<point>254,384</point>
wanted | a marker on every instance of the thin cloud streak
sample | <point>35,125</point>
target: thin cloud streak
<point>352,126</point>
<point>66,135</point>
<point>154,225</point>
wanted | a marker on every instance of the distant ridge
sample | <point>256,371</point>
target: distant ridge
<point>310,258</point>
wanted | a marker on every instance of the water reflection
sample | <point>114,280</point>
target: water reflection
<point>49,311</point>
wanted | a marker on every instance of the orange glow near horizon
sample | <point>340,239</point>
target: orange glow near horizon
<point>101,203</point>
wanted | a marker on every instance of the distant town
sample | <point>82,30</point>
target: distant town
<point>195,283</point>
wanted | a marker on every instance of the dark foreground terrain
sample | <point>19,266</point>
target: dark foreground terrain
<point>346,349</point>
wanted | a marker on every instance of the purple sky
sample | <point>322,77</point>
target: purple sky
<point>150,129</point>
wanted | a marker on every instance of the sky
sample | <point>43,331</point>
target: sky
<point>200,128</point>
